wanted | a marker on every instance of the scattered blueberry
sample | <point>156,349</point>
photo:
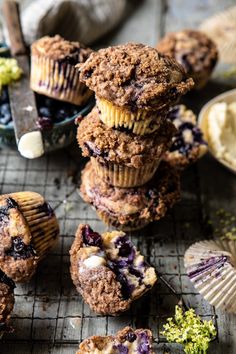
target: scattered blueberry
<point>45,112</point>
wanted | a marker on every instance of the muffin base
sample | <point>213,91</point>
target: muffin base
<point>124,176</point>
<point>57,80</point>
<point>162,192</point>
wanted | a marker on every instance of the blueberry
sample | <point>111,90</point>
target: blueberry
<point>121,349</point>
<point>5,119</point>
<point>61,114</point>
<point>91,238</point>
<point>131,337</point>
<point>46,209</point>
<point>19,250</point>
<point>135,272</point>
<point>144,345</point>
<point>177,144</point>
<point>5,109</point>
<point>45,112</point>
<point>173,113</point>
<point>125,247</point>
<point>186,125</point>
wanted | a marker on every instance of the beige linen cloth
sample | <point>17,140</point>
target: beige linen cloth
<point>78,20</point>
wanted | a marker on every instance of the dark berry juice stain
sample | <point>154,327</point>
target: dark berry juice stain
<point>46,209</point>
<point>91,238</point>
<point>19,250</point>
<point>6,280</point>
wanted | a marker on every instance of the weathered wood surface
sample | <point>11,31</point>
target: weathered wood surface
<point>49,316</point>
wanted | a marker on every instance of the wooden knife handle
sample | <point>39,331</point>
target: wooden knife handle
<point>11,15</point>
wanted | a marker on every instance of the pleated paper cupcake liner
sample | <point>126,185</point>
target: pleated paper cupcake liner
<point>57,80</point>
<point>221,28</point>
<point>141,122</point>
<point>123,176</point>
<point>41,220</point>
<point>211,266</point>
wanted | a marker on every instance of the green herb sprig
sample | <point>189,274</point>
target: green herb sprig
<point>188,329</point>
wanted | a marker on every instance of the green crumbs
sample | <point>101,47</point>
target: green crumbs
<point>9,71</point>
<point>189,330</point>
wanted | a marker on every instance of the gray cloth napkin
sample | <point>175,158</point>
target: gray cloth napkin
<point>78,20</point>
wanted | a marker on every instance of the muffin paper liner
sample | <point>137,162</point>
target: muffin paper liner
<point>57,80</point>
<point>41,220</point>
<point>211,266</point>
<point>221,28</point>
<point>141,122</point>
<point>123,176</point>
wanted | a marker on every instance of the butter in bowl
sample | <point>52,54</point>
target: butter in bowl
<point>217,119</point>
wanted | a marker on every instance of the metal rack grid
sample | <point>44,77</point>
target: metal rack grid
<point>49,316</point>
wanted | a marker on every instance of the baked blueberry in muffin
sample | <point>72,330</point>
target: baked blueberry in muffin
<point>126,341</point>
<point>194,50</point>
<point>53,72</point>
<point>188,144</point>
<point>119,158</point>
<point>6,302</point>
<point>135,85</point>
<point>131,208</point>
<point>28,230</point>
<point>108,271</point>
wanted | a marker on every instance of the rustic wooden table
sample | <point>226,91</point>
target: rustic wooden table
<point>49,316</point>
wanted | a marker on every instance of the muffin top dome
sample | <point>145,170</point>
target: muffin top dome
<point>192,49</point>
<point>135,75</point>
<point>58,48</point>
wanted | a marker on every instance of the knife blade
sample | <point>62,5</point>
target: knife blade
<point>29,138</point>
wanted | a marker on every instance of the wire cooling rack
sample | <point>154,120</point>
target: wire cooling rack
<point>49,316</point>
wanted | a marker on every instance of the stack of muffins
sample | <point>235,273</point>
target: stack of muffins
<point>127,134</point>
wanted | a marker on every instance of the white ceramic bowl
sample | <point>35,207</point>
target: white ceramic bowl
<point>228,97</point>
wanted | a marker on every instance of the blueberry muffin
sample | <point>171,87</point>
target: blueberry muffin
<point>126,341</point>
<point>132,208</point>
<point>135,85</point>
<point>108,271</point>
<point>53,72</point>
<point>194,50</point>
<point>121,159</point>
<point>188,144</point>
<point>29,229</point>
<point>6,302</point>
